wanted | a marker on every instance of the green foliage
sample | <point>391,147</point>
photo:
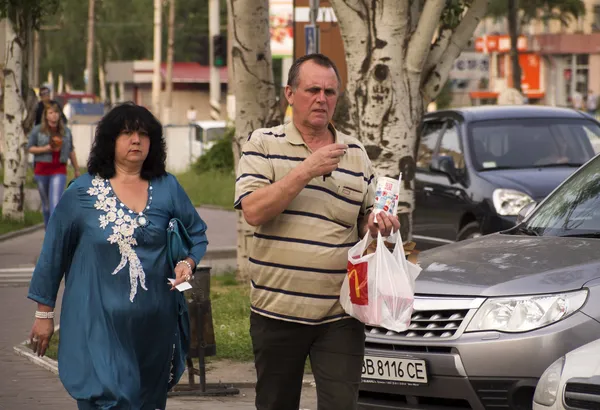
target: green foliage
<point>27,13</point>
<point>31,218</point>
<point>543,10</point>
<point>230,302</point>
<point>209,188</point>
<point>123,31</point>
<point>219,157</point>
<point>453,13</point>
<point>444,99</point>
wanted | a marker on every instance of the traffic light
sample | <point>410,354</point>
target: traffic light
<point>220,50</point>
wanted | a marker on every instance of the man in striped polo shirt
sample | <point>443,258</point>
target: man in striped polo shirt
<point>308,189</point>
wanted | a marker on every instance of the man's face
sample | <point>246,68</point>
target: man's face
<point>45,95</point>
<point>313,100</point>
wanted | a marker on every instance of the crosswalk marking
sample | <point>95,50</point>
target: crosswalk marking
<point>15,276</point>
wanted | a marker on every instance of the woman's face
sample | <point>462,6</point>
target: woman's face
<point>132,147</point>
<point>52,116</point>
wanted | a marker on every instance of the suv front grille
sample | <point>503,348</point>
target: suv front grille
<point>428,324</point>
<point>582,396</point>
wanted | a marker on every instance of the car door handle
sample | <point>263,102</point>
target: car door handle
<point>428,189</point>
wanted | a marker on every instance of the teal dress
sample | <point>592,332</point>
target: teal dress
<point>123,332</point>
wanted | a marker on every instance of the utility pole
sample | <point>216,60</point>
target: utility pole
<point>214,29</point>
<point>156,83</point>
<point>230,79</point>
<point>311,30</point>
<point>513,30</point>
<point>89,60</point>
<point>170,54</point>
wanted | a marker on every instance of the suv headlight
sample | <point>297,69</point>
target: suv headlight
<point>509,202</point>
<point>524,313</point>
<point>547,388</point>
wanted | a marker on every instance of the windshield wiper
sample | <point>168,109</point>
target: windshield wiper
<point>524,229</point>
<point>566,164</point>
<point>582,235</point>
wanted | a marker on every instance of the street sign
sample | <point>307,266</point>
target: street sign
<point>311,39</point>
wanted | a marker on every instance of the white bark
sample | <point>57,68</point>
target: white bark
<point>458,41</point>
<point>15,164</point>
<point>388,46</point>
<point>255,101</point>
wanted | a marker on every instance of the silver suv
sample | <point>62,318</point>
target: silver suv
<point>492,313</point>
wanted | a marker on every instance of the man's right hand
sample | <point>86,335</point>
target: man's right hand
<point>324,160</point>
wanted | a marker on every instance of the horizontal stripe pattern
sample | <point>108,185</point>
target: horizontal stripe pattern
<point>298,319</point>
<point>304,241</point>
<point>316,216</point>
<point>259,176</point>
<point>298,268</point>
<point>293,293</point>
<point>333,194</point>
<point>297,260</point>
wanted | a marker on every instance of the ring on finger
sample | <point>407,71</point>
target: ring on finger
<point>187,277</point>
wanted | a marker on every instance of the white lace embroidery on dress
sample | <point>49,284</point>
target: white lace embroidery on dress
<point>123,227</point>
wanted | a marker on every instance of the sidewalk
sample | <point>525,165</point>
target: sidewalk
<point>23,385</point>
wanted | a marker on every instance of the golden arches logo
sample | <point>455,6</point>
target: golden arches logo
<point>354,273</point>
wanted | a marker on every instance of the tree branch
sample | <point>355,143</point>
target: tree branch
<point>420,41</point>
<point>457,43</point>
<point>437,50</point>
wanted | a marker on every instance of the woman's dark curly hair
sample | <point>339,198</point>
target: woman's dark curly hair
<point>127,117</point>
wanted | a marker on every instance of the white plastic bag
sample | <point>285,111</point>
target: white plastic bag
<point>379,288</point>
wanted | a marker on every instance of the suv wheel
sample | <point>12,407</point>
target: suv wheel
<point>470,230</point>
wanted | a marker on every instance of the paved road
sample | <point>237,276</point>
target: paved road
<point>19,255</point>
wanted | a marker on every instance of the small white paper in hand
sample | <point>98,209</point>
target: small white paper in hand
<point>182,286</point>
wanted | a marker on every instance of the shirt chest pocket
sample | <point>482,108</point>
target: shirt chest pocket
<point>344,206</point>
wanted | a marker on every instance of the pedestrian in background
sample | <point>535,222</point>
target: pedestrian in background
<point>51,144</point>
<point>591,102</point>
<point>123,330</point>
<point>308,189</point>
<point>45,100</point>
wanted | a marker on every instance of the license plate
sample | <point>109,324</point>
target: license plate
<point>400,370</point>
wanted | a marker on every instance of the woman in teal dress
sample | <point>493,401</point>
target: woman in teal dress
<point>123,327</point>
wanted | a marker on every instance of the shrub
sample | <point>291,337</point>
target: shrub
<point>219,157</point>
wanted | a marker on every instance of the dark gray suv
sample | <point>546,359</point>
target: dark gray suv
<point>492,313</point>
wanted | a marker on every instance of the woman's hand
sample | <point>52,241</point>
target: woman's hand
<point>77,173</point>
<point>183,273</point>
<point>40,336</point>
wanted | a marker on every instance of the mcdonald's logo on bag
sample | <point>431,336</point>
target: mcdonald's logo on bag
<point>358,283</point>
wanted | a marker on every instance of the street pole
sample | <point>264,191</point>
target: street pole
<point>230,79</point>
<point>89,60</point>
<point>156,83</point>
<point>214,29</point>
<point>170,55</point>
<point>311,30</point>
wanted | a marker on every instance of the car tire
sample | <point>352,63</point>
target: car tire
<point>469,231</point>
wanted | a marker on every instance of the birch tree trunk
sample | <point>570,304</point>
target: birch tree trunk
<point>255,100</point>
<point>395,68</point>
<point>89,58</point>
<point>15,163</point>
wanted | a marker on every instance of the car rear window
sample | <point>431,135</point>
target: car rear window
<point>530,143</point>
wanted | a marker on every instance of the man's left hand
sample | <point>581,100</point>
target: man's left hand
<point>386,224</point>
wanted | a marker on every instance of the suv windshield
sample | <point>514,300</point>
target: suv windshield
<point>573,209</point>
<point>532,143</point>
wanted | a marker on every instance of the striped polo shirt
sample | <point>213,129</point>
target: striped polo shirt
<point>297,260</point>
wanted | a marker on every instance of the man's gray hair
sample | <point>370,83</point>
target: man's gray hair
<point>320,59</point>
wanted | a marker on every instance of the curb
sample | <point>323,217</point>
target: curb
<point>221,252</point>
<point>46,363</point>
<point>21,232</point>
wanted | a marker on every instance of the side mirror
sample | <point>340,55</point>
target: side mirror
<point>445,165</point>
<point>525,211</point>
